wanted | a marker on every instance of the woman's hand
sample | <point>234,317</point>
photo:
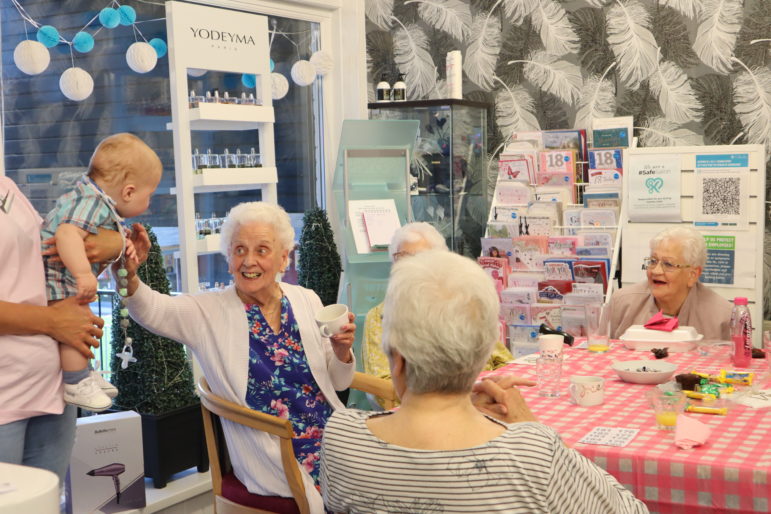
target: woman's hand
<point>138,248</point>
<point>103,247</point>
<point>499,397</point>
<point>342,342</point>
<point>74,324</point>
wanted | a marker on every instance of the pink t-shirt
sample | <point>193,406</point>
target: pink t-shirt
<point>30,371</point>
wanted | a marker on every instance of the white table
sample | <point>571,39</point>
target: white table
<point>26,489</point>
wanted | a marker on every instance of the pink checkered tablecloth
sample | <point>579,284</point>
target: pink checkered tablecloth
<point>731,473</point>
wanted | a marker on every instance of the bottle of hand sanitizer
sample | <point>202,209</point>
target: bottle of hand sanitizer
<point>399,91</point>
<point>383,89</point>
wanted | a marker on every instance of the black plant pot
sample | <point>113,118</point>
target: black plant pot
<point>173,442</point>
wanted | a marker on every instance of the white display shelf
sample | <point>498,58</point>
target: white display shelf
<point>205,246</point>
<point>216,180</point>
<point>229,117</point>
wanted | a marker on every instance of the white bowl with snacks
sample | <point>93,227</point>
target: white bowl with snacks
<point>644,371</point>
<point>681,339</point>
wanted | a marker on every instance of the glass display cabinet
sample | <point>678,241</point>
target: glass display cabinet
<point>448,167</point>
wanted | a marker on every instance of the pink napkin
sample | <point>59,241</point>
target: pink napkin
<point>661,322</point>
<point>690,432</point>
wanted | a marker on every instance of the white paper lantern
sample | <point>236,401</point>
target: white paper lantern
<point>303,73</point>
<point>322,62</point>
<point>31,57</point>
<point>196,72</point>
<point>279,86</point>
<point>141,57</point>
<point>76,84</point>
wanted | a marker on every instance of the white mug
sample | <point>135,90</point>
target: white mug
<point>551,344</point>
<point>332,318</point>
<point>587,391</point>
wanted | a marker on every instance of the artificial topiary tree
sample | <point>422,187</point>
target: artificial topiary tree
<point>161,379</point>
<point>319,266</point>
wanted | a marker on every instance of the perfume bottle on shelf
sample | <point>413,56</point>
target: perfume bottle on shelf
<point>212,160</point>
<point>252,100</point>
<point>217,96</point>
<point>198,226</point>
<point>192,101</point>
<point>229,160</point>
<point>241,159</point>
<point>208,98</point>
<point>254,159</point>
<point>227,99</point>
<point>197,162</point>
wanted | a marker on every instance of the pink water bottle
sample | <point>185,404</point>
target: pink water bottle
<point>741,333</point>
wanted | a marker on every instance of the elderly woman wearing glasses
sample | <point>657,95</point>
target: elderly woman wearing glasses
<point>409,240</point>
<point>677,257</point>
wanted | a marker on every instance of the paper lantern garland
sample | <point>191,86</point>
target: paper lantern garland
<point>303,73</point>
<point>76,84</point>
<point>249,80</point>
<point>322,62</point>
<point>126,15</point>
<point>141,57</point>
<point>48,35</point>
<point>83,42</point>
<point>159,45</point>
<point>279,86</point>
<point>109,18</point>
<point>31,57</point>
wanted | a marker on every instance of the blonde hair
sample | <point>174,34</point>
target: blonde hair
<point>123,157</point>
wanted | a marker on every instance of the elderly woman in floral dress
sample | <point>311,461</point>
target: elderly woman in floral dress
<point>259,346</point>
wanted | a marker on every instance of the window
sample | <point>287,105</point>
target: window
<point>49,139</point>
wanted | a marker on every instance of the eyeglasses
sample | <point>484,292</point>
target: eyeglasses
<point>399,255</point>
<point>668,267</point>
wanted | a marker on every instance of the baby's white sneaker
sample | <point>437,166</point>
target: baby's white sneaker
<point>109,389</point>
<point>87,394</point>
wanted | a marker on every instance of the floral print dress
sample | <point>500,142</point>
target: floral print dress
<point>281,384</point>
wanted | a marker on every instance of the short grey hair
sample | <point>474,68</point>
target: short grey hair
<point>690,240</point>
<point>414,232</point>
<point>257,212</point>
<point>441,314</point>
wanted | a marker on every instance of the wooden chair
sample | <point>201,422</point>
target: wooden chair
<point>213,408</point>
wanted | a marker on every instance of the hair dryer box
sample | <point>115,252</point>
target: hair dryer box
<point>106,468</point>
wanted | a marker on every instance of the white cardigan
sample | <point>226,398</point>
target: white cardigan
<point>215,327</point>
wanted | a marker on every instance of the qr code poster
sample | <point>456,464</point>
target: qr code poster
<point>722,194</point>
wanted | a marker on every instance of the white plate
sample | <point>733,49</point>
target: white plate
<point>627,371</point>
<point>671,346</point>
<point>640,333</point>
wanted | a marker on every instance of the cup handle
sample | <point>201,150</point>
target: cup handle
<point>571,391</point>
<point>325,331</point>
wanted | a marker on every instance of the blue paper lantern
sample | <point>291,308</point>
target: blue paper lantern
<point>127,15</point>
<point>109,18</point>
<point>272,65</point>
<point>83,42</point>
<point>159,45</point>
<point>248,80</point>
<point>48,35</point>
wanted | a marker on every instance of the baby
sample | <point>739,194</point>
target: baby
<point>122,175</point>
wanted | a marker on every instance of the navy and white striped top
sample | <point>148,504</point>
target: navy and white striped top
<point>526,469</point>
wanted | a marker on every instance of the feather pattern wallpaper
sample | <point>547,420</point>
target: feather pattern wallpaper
<point>687,70</point>
<point>690,71</point>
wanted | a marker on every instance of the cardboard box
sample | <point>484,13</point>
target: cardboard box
<point>107,469</point>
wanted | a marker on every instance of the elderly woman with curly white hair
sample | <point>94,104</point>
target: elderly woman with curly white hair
<point>259,346</point>
<point>672,286</point>
<point>438,452</point>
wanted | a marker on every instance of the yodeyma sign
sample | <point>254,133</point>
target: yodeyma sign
<point>222,35</point>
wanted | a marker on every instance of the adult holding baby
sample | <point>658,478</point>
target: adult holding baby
<point>259,346</point>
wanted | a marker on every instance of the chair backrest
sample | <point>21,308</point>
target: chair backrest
<point>213,406</point>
